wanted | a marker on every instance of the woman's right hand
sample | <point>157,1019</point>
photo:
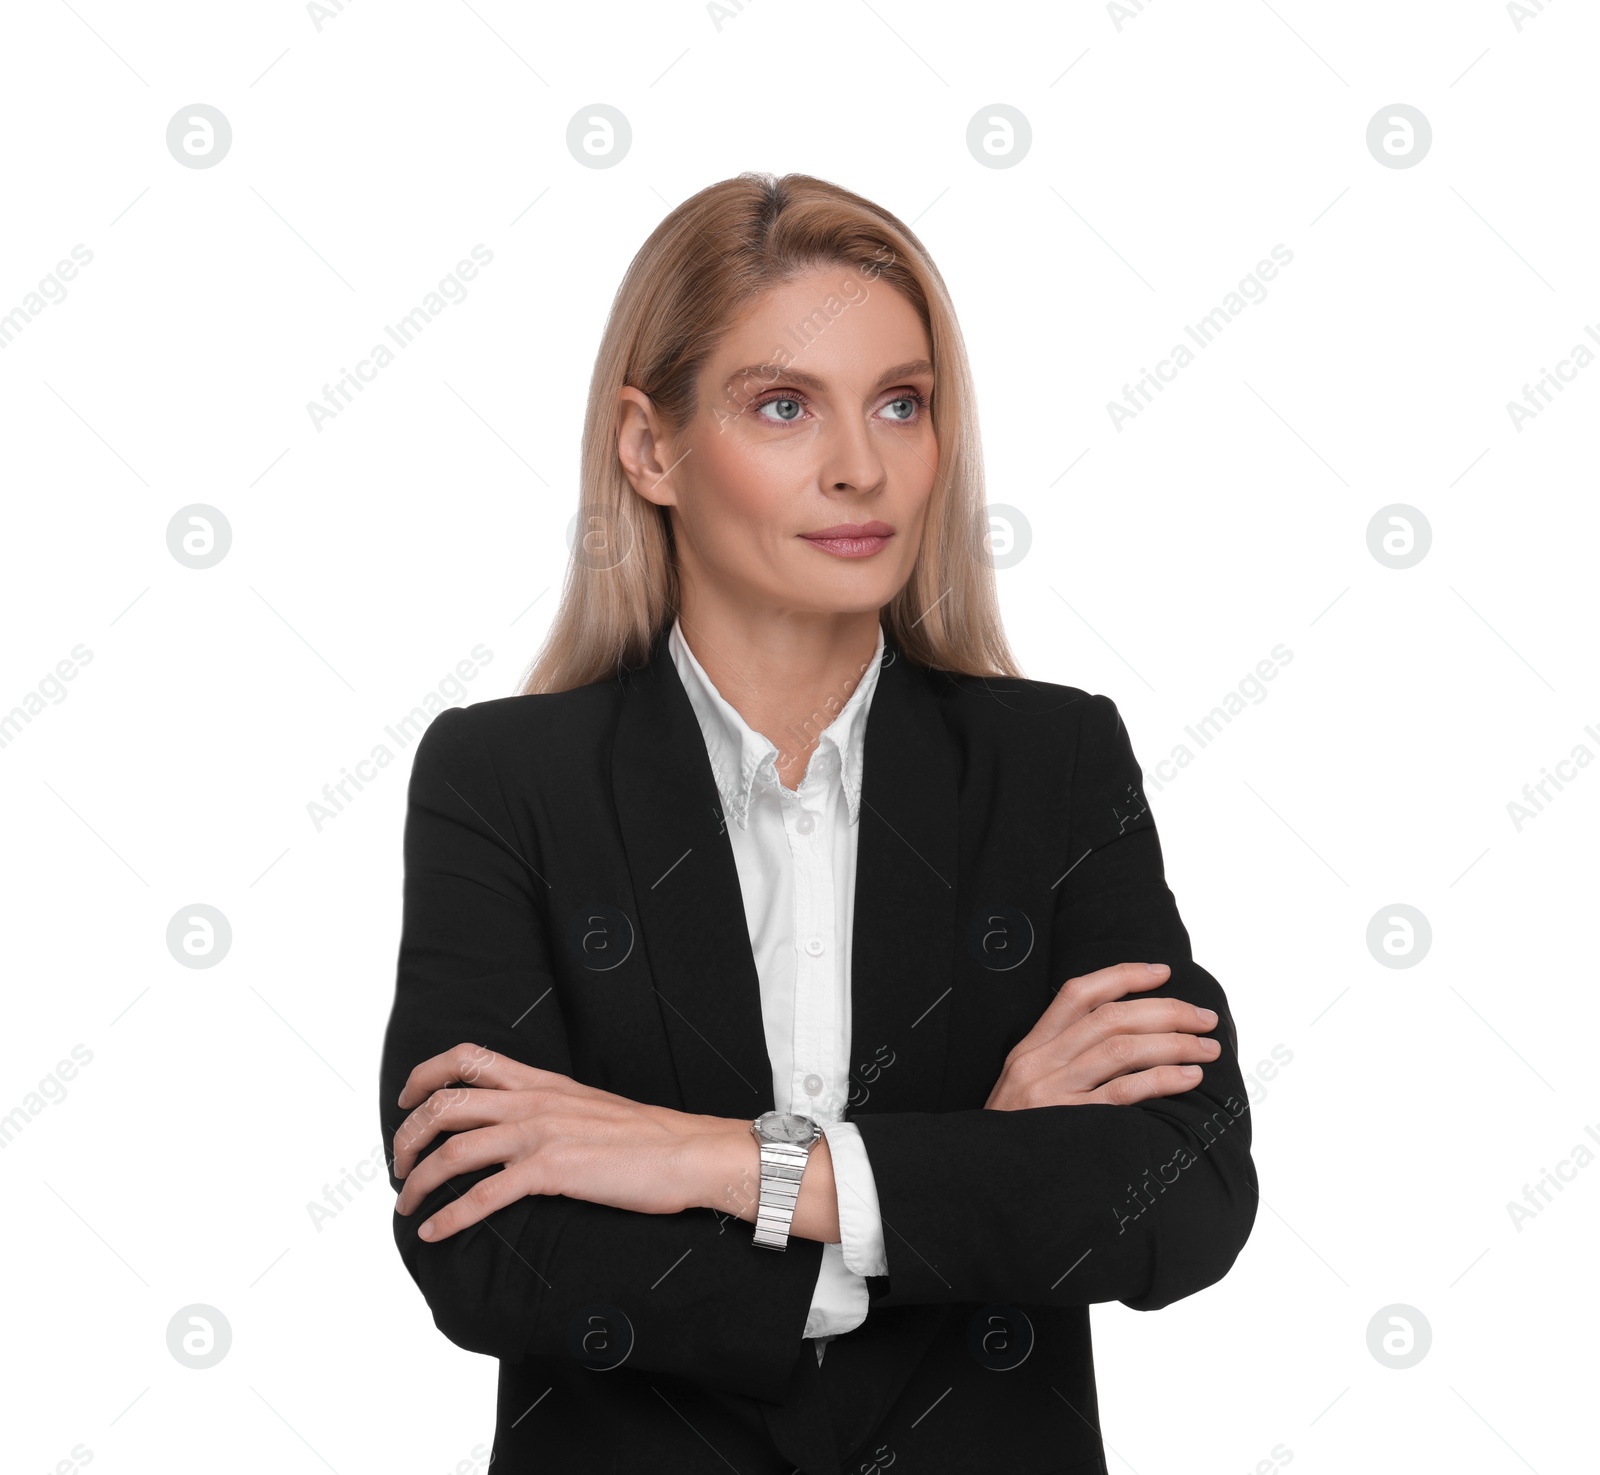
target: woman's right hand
<point>1093,1047</point>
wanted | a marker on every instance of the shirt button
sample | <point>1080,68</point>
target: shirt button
<point>814,946</point>
<point>806,823</point>
<point>813,1084</point>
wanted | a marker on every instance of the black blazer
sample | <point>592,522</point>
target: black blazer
<point>571,901</point>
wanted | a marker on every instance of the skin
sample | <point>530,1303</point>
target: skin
<point>784,630</point>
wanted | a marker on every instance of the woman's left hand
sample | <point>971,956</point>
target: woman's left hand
<point>554,1135</point>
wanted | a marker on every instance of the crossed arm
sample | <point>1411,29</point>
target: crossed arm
<point>550,1197</point>
<point>555,1135</point>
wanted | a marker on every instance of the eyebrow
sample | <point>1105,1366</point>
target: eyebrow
<point>774,372</point>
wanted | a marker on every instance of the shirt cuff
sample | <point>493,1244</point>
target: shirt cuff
<point>860,1223</point>
<point>839,1301</point>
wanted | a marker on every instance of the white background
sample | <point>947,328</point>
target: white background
<point>1169,154</point>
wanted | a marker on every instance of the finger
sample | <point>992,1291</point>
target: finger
<point>466,1063</point>
<point>1125,1054</point>
<point>1079,996</point>
<point>478,1202</point>
<point>1066,1066</point>
<point>1146,1085</point>
<point>1108,1027</point>
<point>452,1110</point>
<point>472,1065</point>
<point>464,1153</point>
<point>1150,1016</point>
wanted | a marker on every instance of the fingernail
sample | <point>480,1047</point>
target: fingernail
<point>1157,967</point>
<point>1192,1071</point>
<point>426,1232</point>
<point>1209,1015</point>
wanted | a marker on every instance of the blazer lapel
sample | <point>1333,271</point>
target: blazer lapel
<point>691,911</point>
<point>904,925</point>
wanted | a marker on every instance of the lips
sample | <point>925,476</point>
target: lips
<point>851,539</point>
<point>853,530</point>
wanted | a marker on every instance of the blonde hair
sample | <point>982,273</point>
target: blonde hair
<point>702,266</point>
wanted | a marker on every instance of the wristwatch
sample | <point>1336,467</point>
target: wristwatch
<point>786,1140</point>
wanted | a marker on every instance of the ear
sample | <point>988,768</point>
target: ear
<point>644,447</point>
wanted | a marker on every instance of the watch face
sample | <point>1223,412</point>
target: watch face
<point>786,1126</point>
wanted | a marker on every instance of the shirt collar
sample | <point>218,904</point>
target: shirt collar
<point>740,756</point>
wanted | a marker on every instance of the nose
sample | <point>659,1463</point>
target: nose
<point>852,460</point>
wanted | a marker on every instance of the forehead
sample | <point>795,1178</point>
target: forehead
<point>832,323</point>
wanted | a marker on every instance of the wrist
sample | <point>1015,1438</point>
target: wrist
<point>723,1162</point>
<point>725,1165</point>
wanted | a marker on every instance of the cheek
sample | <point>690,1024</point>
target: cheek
<point>742,484</point>
<point>915,472</point>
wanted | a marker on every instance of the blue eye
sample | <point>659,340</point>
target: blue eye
<point>915,399</point>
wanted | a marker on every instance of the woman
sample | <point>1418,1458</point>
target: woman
<point>779,899</point>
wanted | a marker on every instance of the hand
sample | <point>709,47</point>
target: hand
<point>1087,1049</point>
<point>554,1135</point>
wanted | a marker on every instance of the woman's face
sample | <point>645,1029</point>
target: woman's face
<point>814,413</point>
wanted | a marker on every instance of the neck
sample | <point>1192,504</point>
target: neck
<point>787,675</point>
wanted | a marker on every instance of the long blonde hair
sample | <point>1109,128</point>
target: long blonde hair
<point>702,266</point>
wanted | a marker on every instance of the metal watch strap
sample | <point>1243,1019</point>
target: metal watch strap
<point>783,1164</point>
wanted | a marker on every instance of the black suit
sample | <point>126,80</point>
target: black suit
<point>571,901</point>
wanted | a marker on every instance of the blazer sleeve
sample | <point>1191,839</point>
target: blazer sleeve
<point>684,1294</point>
<point>1071,1205</point>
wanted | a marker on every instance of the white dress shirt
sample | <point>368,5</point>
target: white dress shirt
<point>795,850</point>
